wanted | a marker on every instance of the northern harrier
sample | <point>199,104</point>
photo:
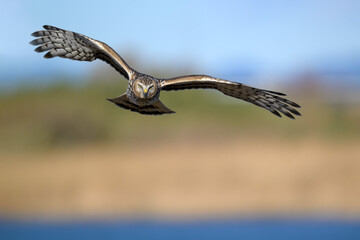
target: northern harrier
<point>143,91</point>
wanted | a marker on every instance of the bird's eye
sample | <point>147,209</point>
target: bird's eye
<point>140,86</point>
<point>151,87</point>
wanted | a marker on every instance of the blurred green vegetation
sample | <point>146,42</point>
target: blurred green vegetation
<point>67,115</point>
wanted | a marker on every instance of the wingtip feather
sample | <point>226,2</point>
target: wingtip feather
<point>289,115</point>
<point>35,34</point>
<point>48,55</point>
<point>293,111</point>
<point>274,92</point>
<point>293,104</point>
<point>39,49</point>
<point>33,42</point>
<point>276,113</point>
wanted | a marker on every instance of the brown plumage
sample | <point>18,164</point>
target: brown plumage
<point>143,91</point>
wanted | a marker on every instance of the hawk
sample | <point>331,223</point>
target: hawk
<point>143,90</point>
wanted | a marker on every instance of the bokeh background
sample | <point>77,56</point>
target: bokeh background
<point>73,163</point>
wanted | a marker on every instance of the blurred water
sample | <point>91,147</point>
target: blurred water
<point>264,228</point>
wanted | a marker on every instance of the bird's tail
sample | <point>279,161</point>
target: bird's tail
<point>157,108</point>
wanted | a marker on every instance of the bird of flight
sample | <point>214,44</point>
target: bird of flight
<point>143,90</point>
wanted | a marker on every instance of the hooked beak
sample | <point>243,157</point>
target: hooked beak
<point>145,92</point>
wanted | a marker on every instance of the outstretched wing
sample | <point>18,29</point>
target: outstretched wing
<point>269,100</point>
<point>75,46</point>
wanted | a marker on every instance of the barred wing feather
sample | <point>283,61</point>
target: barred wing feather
<point>270,100</point>
<point>66,44</point>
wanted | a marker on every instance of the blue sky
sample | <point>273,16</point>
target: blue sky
<point>273,37</point>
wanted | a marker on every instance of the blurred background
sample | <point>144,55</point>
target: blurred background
<point>74,165</point>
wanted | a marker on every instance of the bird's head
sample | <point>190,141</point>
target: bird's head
<point>145,87</point>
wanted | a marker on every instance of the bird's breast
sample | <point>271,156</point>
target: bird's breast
<point>139,100</point>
